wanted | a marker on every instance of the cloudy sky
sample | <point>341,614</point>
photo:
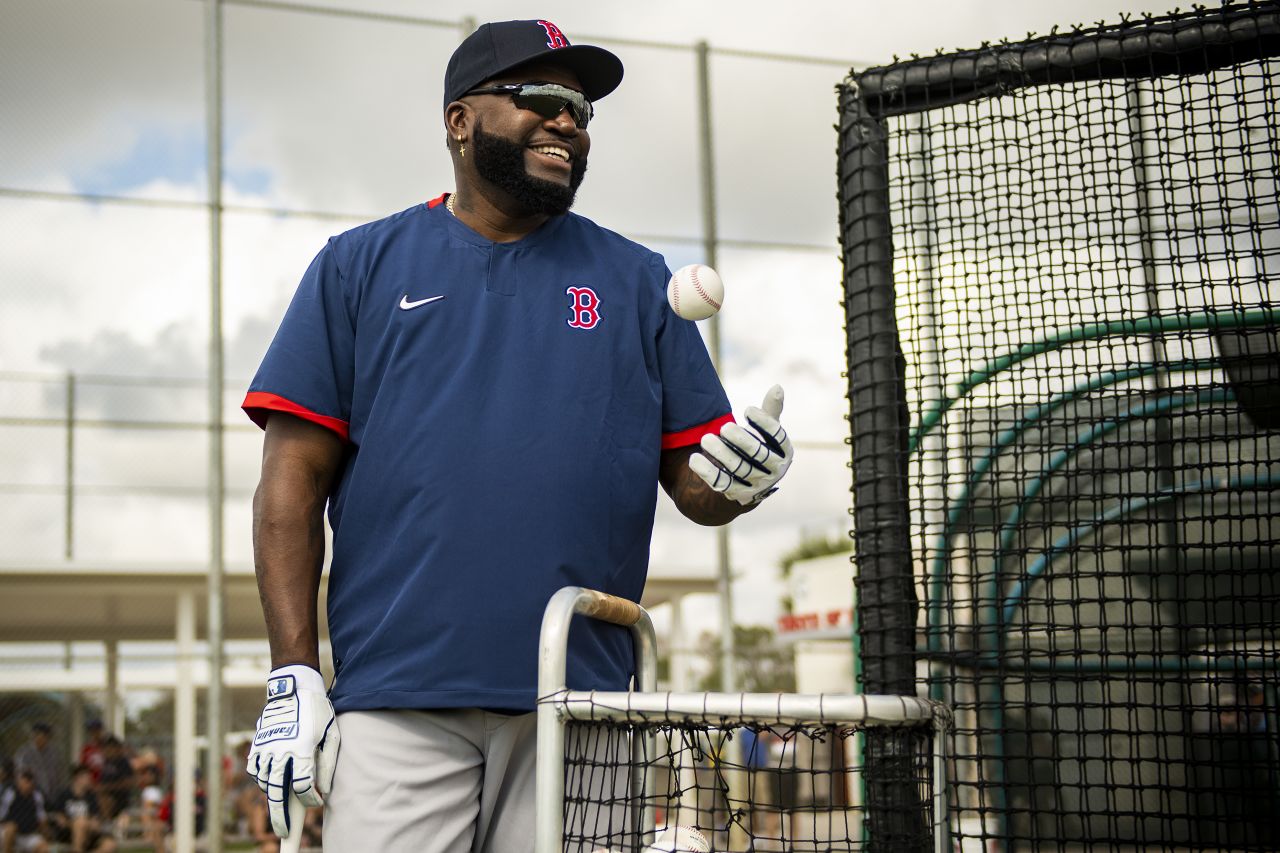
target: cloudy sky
<point>340,115</point>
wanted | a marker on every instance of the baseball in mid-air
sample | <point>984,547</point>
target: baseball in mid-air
<point>695,292</point>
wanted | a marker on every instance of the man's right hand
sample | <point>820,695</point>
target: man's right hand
<point>296,746</point>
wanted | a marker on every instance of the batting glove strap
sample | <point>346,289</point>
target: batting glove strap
<point>746,463</point>
<point>299,676</point>
<point>295,747</point>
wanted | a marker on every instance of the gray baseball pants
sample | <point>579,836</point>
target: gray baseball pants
<point>450,781</point>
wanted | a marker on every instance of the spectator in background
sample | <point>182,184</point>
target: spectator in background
<point>757,753</point>
<point>41,758</point>
<point>166,807</point>
<point>115,782</point>
<point>249,807</point>
<point>201,802</point>
<point>91,751</point>
<point>148,757</point>
<point>1245,773</point>
<point>249,804</point>
<point>153,825</point>
<point>258,823</point>
<point>1246,711</point>
<point>75,816</point>
<point>22,817</point>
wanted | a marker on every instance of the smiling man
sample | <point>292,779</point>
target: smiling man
<point>486,390</point>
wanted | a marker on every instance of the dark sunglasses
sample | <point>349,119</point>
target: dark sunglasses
<point>545,99</point>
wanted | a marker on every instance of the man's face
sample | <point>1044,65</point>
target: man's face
<point>540,162</point>
<point>41,738</point>
<point>26,785</point>
<point>81,782</point>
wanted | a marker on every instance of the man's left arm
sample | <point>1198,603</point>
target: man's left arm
<point>728,474</point>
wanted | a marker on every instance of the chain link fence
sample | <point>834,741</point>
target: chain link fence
<point>121,486</point>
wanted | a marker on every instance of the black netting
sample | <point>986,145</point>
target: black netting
<point>1072,536</point>
<point>743,785</point>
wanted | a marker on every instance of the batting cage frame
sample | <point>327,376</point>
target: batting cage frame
<point>1063,351</point>
<point>610,763</point>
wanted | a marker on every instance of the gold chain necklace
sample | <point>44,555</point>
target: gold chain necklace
<point>448,203</point>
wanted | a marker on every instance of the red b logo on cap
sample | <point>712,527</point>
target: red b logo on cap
<point>555,38</point>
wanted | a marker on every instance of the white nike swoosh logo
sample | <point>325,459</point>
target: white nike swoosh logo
<point>405,304</point>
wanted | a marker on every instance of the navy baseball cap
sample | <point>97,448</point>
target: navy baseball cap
<point>503,45</point>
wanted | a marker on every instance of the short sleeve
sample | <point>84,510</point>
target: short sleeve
<point>309,368</point>
<point>693,400</point>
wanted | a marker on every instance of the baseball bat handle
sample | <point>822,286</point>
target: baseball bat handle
<point>610,608</point>
<point>297,817</point>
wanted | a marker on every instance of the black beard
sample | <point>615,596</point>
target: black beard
<point>501,162</point>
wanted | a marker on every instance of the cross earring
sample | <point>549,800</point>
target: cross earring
<point>462,148</point>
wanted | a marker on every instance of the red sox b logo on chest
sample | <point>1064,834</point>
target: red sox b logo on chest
<point>584,307</point>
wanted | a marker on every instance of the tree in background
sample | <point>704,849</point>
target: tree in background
<point>810,546</point>
<point>764,666</point>
<point>18,711</point>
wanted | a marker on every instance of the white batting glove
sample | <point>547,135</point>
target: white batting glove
<point>296,746</point>
<point>745,464</point>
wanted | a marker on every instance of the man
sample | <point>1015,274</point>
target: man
<point>485,389</point>
<point>91,750</point>
<point>22,817</point>
<point>75,815</point>
<point>41,758</point>
<point>115,780</point>
<point>150,799</point>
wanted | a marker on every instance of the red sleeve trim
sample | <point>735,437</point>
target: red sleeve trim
<point>693,435</point>
<point>257,405</point>
<point>436,202</point>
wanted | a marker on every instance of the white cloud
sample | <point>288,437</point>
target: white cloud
<point>854,29</point>
<point>79,81</point>
<point>73,271</point>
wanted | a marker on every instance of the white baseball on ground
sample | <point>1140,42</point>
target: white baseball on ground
<point>695,292</point>
<point>679,839</point>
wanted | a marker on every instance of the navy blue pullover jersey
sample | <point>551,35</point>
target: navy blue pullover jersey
<point>504,407</point>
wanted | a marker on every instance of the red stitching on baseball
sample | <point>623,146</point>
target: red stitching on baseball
<point>693,273</point>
